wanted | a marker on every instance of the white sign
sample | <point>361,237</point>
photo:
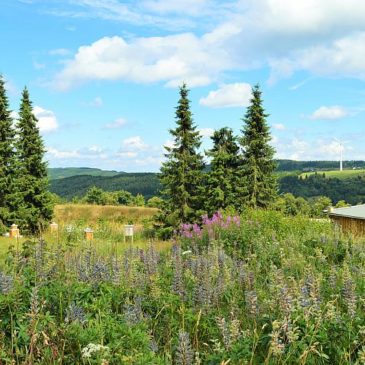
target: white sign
<point>128,230</point>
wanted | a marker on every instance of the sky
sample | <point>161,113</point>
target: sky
<point>103,75</point>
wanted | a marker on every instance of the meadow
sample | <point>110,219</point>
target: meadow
<point>107,223</point>
<point>337,174</point>
<point>259,288</point>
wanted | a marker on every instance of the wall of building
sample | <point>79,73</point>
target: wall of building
<point>350,225</point>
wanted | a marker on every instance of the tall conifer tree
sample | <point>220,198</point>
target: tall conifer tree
<point>182,173</point>
<point>222,179</point>
<point>7,157</point>
<point>34,202</point>
<point>258,165</point>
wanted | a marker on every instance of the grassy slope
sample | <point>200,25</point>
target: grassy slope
<point>345,174</point>
<point>107,222</point>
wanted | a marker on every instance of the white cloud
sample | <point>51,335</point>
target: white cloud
<point>134,143</point>
<point>14,115</point>
<point>322,37</point>
<point>58,154</point>
<point>87,153</point>
<point>329,113</point>
<point>206,132</point>
<point>190,7</point>
<point>169,144</point>
<point>118,123</point>
<point>230,95</point>
<point>279,127</point>
<point>171,59</point>
<point>47,121</point>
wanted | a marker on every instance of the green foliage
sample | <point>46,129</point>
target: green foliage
<point>258,181</point>
<point>290,205</point>
<point>7,158</point>
<point>222,180</point>
<point>319,204</point>
<point>123,197</point>
<point>98,196</point>
<point>139,200</point>
<point>95,196</point>
<point>342,204</point>
<point>154,202</point>
<point>34,204</point>
<point>352,190</point>
<point>181,173</point>
<point>146,184</point>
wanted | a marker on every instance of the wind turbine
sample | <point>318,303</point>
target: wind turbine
<point>341,145</point>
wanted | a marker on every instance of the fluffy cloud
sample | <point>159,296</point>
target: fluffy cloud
<point>47,121</point>
<point>171,59</point>
<point>230,95</point>
<point>134,143</point>
<point>206,132</point>
<point>322,37</point>
<point>118,123</point>
<point>86,153</point>
<point>312,149</point>
<point>279,127</point>
<point>329,113</point>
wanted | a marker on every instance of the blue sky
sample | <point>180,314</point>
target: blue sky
<point>103,74</point>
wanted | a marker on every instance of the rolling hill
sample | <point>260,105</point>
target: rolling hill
<point>63,172</point>
<point>146,184</point>
<point>347,185</point>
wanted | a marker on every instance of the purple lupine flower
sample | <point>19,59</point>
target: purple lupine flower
<point>184,352</point>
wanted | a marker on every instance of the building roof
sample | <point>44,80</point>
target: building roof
<point>357,212</point>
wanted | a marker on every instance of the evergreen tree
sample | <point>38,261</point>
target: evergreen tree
<point>182,173</point>
<point>7,157</point>
<point>34,202</point>
<point>222,180</point>
<point>258,165</point>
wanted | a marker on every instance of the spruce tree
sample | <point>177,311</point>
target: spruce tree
<point>34,202</point>
<point>222,179</point>
<point>258,163</point>
<point>182,173</point>
<point>7,157</point>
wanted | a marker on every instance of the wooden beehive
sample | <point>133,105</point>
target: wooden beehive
<point>54,227</point>
<point>89,234</point>
<point>14,231</point>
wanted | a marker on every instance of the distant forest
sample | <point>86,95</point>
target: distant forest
<point>352,190</point>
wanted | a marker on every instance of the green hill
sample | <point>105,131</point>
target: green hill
<point>337,174</point>
<point>146,184</point>
<point>347,185</point>
<point>63,172</point>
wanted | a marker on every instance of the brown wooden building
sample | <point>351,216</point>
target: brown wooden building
<point>350,219</point>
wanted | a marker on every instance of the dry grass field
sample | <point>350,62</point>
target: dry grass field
<point>107,223</point>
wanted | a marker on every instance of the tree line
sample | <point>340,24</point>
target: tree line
<point>241,168</point>
<point>24,196</point>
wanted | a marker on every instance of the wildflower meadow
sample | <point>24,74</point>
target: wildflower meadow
<point>259,288</point>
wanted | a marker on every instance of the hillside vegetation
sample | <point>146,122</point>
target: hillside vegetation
<point>63,172</point>
<point>336,174</point>
<point>146,184</point>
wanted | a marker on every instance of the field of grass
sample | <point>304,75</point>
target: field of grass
<point>107,222</point>
<point>345,174</point>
